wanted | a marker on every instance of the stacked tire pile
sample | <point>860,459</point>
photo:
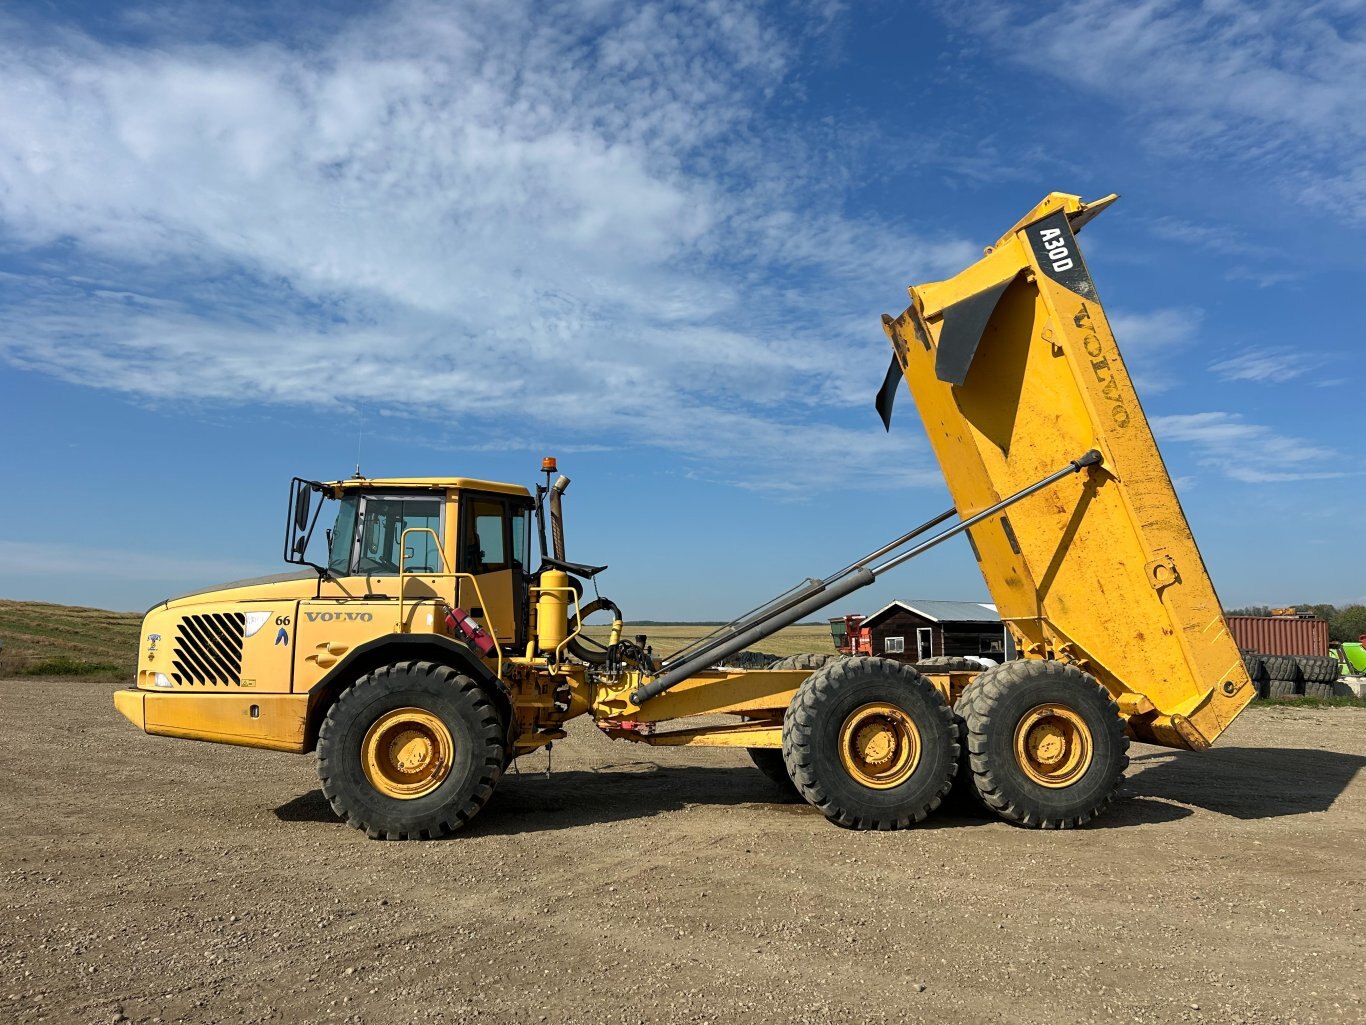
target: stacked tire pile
<point>750,660</point>
<point>1318,675</point>
<point>1286,676</point>
<point>947,664</point>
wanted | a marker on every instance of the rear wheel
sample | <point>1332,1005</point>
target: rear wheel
<point>1046,743</point>
<point>410,751</point>
<point>870,743</point>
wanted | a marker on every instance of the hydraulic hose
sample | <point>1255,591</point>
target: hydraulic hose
<point>586,649</point>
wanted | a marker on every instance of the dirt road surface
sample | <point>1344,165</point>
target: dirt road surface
<point>156,880</point>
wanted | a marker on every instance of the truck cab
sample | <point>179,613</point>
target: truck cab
<point>409,536</point>
<point>411,548</point>
<point>384,558</point>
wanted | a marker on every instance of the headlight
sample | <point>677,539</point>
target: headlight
<point>162,680</point>
<point>255,620</point>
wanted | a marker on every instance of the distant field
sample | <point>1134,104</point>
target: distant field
<point>666,638</point>
<point>64,640</point>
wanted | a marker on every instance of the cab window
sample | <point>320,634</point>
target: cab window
<point>521,535</point>
<point>342,539</point>
<point>484,547</point>
<point>495,533</point>
<point>380,544</point>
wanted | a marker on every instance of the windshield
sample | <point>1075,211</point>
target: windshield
<point>382,547</point>
<point>367,537</point>
<point>343,536</point>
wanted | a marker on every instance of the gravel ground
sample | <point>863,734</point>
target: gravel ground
<point>156,880</point>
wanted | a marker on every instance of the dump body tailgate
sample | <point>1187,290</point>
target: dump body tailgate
<point>1015,371</point>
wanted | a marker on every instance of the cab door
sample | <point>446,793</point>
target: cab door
<point>493,535</point>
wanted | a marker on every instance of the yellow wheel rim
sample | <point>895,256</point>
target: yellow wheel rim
<point>879,745</point>
<point>407,753</point>
<point>1053,745</point>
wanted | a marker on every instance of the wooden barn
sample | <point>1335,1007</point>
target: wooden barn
<point>916,629</point>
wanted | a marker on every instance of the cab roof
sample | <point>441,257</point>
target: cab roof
<point>427,484</point>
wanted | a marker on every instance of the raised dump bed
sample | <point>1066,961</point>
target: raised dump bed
<point>1014,370</point>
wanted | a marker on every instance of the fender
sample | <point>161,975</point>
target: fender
<point>393,648</point>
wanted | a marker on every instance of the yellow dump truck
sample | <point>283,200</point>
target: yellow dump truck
<point>421,653</point>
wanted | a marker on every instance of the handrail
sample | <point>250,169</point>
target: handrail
<point>455,600</point>
<point>554,667</point>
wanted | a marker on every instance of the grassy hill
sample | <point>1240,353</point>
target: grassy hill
<point>64,640</point>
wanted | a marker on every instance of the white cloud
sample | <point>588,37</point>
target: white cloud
<point>1268,366</point>
<point>1247,452</point>
<point>570,217</point>
<point>1149,340</point>
<point>1274,86</point>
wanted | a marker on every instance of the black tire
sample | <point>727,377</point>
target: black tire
<point>476,763</point>
<point>963,796</point>
<point>749,660</point>
<point>1318,690</point>
<point>999,701</point>
<point>1281,667</point>
<point>1256,667</point>
<point>828,701</point>
<point>1317,669</point>
<point>806,660</point>
<point>769,761</point>
<point>1280,688</point>
<point>947,664</point>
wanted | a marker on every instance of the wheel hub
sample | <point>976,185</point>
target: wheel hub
<point>1053,745</point>
<point>879,745</point>
<point>411,751</point>
<point>876,744</point>
<point>407,753</point>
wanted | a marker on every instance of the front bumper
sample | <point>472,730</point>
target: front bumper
<point>278,722</point>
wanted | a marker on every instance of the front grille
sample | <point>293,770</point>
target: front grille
<point>208,649</point>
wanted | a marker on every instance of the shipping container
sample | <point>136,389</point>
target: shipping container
<point>1280,635</point>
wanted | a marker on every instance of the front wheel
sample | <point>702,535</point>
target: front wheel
<point>1046,743</point>
<point>871,743</point>
<point>409,751</point>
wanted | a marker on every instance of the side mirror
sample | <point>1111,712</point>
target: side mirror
<point>302,501</point>
<point>300,519</point>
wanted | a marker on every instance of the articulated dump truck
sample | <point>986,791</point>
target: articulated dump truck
<point>418,654</point>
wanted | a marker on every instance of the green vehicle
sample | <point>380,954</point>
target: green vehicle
<point>1351,655</point>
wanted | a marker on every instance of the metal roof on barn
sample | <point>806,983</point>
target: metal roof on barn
<point>940,611</point>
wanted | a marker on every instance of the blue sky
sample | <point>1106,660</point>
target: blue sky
<point>653,240</point>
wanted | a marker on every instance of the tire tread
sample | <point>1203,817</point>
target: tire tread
<point>977,708</point>
<point>485,720</point>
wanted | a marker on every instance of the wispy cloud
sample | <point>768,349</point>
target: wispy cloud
<point>1275,86</point>
<point>1223,239</point>
<point>1152,342</point>
<point>571,218</point>
<point>1268,366</point>
<point>1247,452</point>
